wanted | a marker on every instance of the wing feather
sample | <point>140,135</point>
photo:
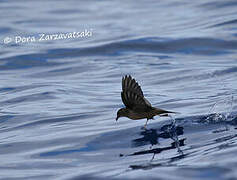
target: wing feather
<point>132,95</point>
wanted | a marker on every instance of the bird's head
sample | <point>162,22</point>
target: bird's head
<point>122,113</point>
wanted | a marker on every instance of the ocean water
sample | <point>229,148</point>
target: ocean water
<point>59,96</point>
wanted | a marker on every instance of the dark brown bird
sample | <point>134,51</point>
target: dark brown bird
<point>137,106</point>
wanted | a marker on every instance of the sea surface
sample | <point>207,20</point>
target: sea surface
<point>59,96</point>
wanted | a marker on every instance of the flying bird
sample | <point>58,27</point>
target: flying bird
<point>137,106</point>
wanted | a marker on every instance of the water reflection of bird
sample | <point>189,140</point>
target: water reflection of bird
<point>152,136</point>
<point>137,106</point>
<point>148,137</point>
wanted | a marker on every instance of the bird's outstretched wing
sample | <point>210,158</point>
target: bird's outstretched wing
<point>132,95</point>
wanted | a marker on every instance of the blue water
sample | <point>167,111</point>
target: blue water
<point>59,98</point>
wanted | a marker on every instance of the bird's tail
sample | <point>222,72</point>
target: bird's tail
<point>163,112</point>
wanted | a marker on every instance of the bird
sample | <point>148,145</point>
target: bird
<point>136,105</point>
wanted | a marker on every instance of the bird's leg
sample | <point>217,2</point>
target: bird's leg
<point>146,124</point>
